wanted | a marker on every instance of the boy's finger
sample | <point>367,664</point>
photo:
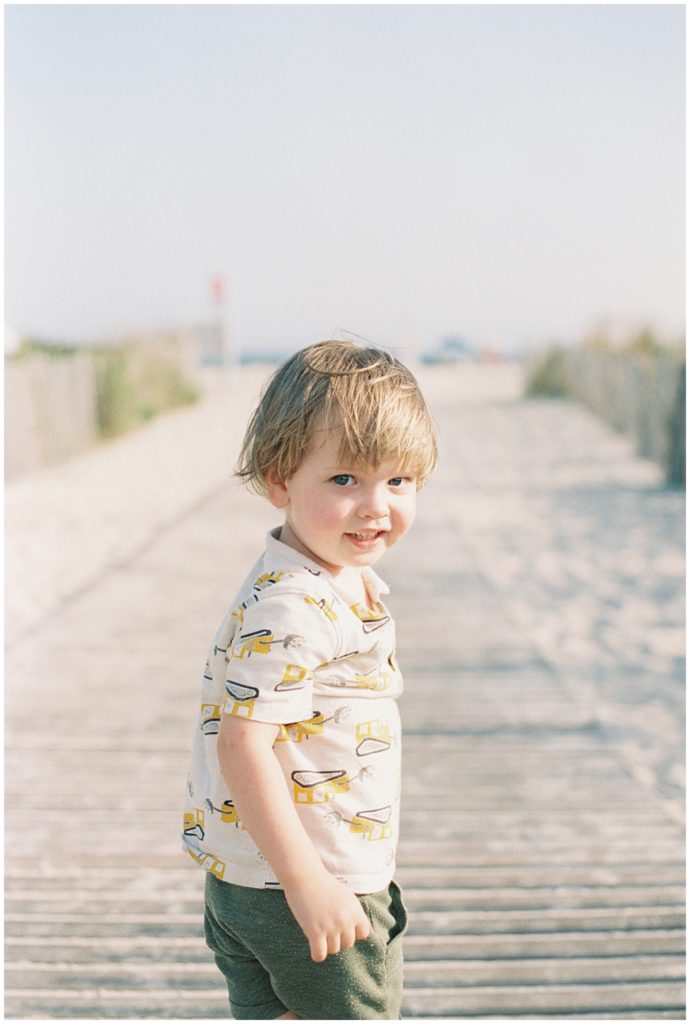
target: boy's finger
<point>363,928</point>
<point>318,949</point>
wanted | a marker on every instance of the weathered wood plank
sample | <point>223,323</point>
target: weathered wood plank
<point>479,876</point>
<point>25,832</point>
<point>89,902</point>
<point>558,946</point>
<point>426,974</point>
<point>445,922</point>
<point>507,1000</point>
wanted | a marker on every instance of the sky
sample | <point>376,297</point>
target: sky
<point>508,174</point>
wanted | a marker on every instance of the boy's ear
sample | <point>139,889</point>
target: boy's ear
<point>276,490</point>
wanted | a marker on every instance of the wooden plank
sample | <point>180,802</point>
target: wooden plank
<point>437,922</point>
<point>487,875</point>
<point>497,852</point>
<point>454,922</point>
<point>442,973</point>
<point>25,827</point>
<point>91,902</point>
<point>508,1000</point>
<point>410,855</point>
<point>584,971</point>
<point>511,1000</point>
<point>192,948</point>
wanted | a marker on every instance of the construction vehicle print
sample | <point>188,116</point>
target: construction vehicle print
<point>318,787</point>
<point>373,738</point>
<point>258,642</point>
<point>228,813</point>
<point>268,579</point>
<point>210,719</point>
<point>295,677</point>
<point>326,608</point>
<point>340,714</point>
<point>337,682</point>
<point>261,641</point>
<point>373,824</point>
<point>238,613</point>
<point>374,680</point>
<point>370,619</point>
<point>243,698</point>
<point>207,861</point>
<point>194,824</point>
<point>295,732</point>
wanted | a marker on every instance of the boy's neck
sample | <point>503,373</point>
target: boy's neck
<point>354,583</point>
<point>350,578</point>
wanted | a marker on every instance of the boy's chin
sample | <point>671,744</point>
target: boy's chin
<point>361,558</point>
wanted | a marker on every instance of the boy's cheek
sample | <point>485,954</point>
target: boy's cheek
<point>401,530</point>
<point>410,511</point>
<point>331,515</point>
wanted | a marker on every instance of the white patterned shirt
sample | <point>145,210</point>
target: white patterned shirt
<point>294,650</point>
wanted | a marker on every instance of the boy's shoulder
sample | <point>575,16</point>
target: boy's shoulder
<point>278,575</point>
<point>276,591</point>
<point>282,574</point>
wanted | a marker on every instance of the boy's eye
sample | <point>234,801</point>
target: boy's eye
<point>342,479</point>
<point>398,481</point>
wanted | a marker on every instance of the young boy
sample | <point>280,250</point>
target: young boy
<point>293,794</point>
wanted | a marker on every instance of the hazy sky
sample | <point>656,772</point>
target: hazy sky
<point>400,172</point>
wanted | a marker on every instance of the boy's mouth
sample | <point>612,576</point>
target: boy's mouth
<point>365,538</point>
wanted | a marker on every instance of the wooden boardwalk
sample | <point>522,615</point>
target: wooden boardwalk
<point>542,860</point>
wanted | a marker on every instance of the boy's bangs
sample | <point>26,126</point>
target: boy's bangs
<point>388,432</point>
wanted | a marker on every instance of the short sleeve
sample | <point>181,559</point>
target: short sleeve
<point>281,640</point>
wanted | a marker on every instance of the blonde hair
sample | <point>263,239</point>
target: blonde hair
<point>365,392</point>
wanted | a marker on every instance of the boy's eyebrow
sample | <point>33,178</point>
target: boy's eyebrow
<point>347,467</point>
<point>342,467</point>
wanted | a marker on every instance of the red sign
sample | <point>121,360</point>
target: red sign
<point>217,288</point>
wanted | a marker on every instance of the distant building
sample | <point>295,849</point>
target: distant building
<point>451,349</point>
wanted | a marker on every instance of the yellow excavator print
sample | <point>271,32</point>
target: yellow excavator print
<point>373,824</point>
<point>210,719</point>
<point>373,738</point>
<point>318,787</point>
<point>295,732</point>
<point>326,608</point>
<point>295,677</point>
<point>267,580</point>
<point>243,698</point>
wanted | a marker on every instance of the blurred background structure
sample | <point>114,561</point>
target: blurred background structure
<point>496,194</point>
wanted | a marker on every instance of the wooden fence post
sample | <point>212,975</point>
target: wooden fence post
<point>676,429</point>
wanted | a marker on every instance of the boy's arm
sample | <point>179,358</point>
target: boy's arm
<point>331,917</point>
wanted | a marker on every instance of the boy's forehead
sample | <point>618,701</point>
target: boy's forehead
<point>327,447</point>
<point>330,452</point>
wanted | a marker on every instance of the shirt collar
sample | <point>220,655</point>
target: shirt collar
<point>279,552</point>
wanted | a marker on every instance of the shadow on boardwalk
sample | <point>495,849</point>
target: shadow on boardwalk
<point>539,609</point>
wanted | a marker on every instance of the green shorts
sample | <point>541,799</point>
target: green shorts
<point>264,956</point>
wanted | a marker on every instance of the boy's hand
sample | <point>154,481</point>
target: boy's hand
<point>331,917</point>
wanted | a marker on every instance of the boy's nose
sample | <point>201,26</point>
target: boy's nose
<point>374,505</point>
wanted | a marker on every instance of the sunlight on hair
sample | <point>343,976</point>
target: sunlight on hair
<point>364,392</point>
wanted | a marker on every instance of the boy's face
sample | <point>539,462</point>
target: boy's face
<point>341,516</point>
